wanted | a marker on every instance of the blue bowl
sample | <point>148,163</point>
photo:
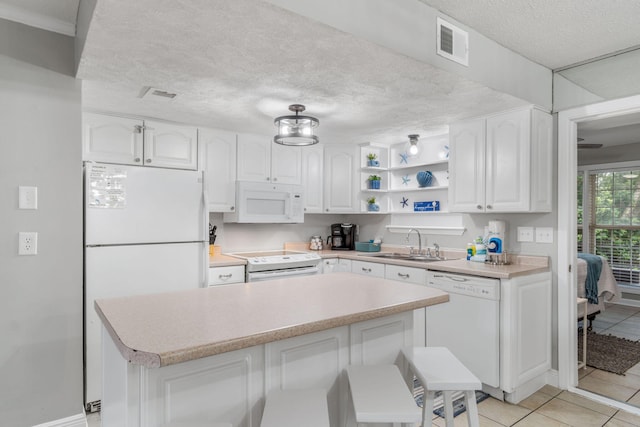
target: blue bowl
<point>424,178</point>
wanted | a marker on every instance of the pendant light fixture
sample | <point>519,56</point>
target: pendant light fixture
<point>296,130</point>
<point>412,146</point>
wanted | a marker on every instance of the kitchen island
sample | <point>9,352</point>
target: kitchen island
<point>213,354</point>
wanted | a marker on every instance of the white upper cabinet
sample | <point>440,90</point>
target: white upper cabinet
<point>135,142</point>
<point>312,172</point>
<point>340,169</point>
<point>260,159</point>
<point>170,146</point>
<point>112,139</point>
<point>501,163</point>
<point>218,160</point>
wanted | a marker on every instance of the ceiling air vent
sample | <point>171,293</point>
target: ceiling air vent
<point>453,43</point>
<point>148,91</point>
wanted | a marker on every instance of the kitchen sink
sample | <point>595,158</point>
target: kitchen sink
<point>404,256</point>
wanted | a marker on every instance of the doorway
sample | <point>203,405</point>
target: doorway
<point>567,236</point>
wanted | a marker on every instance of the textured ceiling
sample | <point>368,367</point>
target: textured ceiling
<point>237,64</point>
<point>553,33</point>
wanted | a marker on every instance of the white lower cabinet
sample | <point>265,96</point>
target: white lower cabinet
<point>311,361</point>
<point>226,275</point>
<point>231,387</point>
<point>335,265</point>
<point>419,277</point>
<point>373,269</point>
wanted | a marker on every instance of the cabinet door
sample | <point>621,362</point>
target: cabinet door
<point>312,170</point>
<point>218,160</point>
<point>286,164</point>
<point>336,265</point>
<point>508,163</point>
<point>170,146</point>
<point>467,166</point>
<point>373,269</point>
<point>111,139</point>
<point>254,158</point>
<point>340,178</point>
<point>541,161</point>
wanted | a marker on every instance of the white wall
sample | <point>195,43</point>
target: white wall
<point>41,303</point>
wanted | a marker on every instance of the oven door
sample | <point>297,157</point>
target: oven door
<point>259,276</point>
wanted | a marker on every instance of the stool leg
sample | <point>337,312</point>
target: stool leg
<point>448,408</point>
<point>472,409</point>
<point>427,408</point>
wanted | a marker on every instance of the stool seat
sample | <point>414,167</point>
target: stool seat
<point>295,408</point>
<point>439,370</point>
<point>380,395</point>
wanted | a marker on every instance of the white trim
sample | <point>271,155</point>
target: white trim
<point>37,20</point>
<point>567,226</point>
<point>449,231</point>
<point>606,401</point>
<point>79,420</point>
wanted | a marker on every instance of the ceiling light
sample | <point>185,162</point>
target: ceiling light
<point>412,147</point>
<point>296,130</point>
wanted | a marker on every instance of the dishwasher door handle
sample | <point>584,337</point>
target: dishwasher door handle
<point>454,278</point>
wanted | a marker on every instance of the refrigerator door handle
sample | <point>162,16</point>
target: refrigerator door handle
<point>205,228</point>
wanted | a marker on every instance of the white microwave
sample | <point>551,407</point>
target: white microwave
<point>261,202</point>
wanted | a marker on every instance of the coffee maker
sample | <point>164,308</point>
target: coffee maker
<point>343,237</point>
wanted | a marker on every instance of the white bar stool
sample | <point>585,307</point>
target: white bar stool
<point>295,408</point>
<point>380,395</point>
<point>439,370</point>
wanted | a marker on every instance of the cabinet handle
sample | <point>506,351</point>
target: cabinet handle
<point>489,207</point>
<point>225,276</point>
<point>137,129</point>
<point>327,210</point>
<point>479,206</point>
<point>148,161</point>
<point>268,179</point>
<point>232,207</point>
<point>275,179</point>
<point>404,276</point>
<point>137,160</point>
<point>366,270</point>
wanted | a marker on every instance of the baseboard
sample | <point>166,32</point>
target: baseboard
<point>79,420</point>
<point>553,378</point>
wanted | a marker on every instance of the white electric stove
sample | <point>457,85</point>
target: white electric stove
<point>266,265</point>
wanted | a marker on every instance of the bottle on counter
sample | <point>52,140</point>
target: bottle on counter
<point>471,250</point>
<point>480,251</point>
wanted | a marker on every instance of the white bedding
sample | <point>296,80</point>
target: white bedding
<point>608,290</point>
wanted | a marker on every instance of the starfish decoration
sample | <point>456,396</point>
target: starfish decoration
<point>403,158</point>
<point>406,179</point>
<point>404,202</point>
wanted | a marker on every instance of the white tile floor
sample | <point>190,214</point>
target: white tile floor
<point>624,322</point>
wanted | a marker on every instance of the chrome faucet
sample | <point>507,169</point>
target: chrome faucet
<point>419,242</point>
<point>437,249</point>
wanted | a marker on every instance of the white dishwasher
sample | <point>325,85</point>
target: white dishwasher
<point>469,324</point>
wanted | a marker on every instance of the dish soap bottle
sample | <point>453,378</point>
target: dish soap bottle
<point>481,251</point>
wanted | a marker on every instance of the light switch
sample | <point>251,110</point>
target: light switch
<point>544,235</point>
<point>27,197</point>
<point>525,234</point>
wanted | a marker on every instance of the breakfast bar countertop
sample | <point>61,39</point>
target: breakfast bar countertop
<point>167,328</point>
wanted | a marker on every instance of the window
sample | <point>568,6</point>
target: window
<point>614,221</point>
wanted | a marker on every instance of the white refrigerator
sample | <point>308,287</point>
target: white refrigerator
<point>145,231</point>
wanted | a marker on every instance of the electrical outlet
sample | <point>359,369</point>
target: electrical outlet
<point>544,235</point>
<point>27,197</point>
<point>27,243</point>
<point>525,234</point>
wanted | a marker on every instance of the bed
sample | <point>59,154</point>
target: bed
<point>608,290</point>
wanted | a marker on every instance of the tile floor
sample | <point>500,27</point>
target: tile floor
<point>622,321</point>
<point>552,407</point>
